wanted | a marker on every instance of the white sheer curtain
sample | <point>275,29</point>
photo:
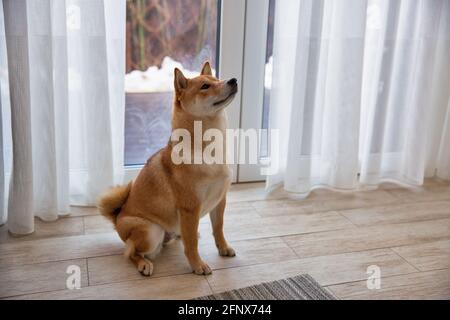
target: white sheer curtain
<point>360,87</point>
<point>65,62</point>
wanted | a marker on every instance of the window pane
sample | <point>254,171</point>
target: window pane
<point>268,79</point>
<point>161,35</point>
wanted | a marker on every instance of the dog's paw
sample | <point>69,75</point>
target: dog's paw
<point>145,267</point>
<point>227,252</point>
<point>202,268</point>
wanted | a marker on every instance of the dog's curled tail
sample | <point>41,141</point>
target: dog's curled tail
<point>110,203</point>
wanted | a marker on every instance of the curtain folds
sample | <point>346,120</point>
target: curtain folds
<point>65,62</point>
<point>360,92</point>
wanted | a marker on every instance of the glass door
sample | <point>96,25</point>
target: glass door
<point>162,35</point>
<point>236,36</point>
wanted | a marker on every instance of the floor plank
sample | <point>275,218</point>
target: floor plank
<point>76,211</point>
<point>246,192</point>
<point>366,238</point>
<point>58,249</point>
<point>398,213</point>
<point>359,199</point>
<point>276,208</point>
<point>326,270</point>
<point>97,224</point>
<point>427,256</point>
<point>431,193</point>
<point>172,260</point>
<point>239,205</point>
<point>413,286</point>
<point>250,228</point>
<point>26,279</point>
<point>177,287</point>
<point>58,228</point>
<point>324,202</point>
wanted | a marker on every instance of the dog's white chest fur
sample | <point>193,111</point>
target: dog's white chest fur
<point>212,191</point>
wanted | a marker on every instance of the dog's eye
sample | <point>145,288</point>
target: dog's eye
<point>205,87</point>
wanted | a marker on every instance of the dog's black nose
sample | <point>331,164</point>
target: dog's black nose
<point>232,82</point>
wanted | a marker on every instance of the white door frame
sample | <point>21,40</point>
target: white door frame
<point>257,13</point>
<point>231,60</point>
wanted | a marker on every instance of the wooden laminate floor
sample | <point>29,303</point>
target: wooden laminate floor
<point>332,236</point>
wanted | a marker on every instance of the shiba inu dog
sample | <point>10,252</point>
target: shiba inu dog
<point>168,198</point>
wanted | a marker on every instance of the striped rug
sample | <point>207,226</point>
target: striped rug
<point>302,287</point>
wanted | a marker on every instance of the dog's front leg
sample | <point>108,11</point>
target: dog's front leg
<point>189,226</point>
<point>216,217</point>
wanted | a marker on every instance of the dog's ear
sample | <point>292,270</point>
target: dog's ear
<point>180,81</point>
<point>206,69</point>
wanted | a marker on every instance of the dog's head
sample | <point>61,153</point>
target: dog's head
<point>205,95</point>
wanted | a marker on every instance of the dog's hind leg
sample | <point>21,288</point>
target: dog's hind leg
<point>144,266</point>
<point>144,238</point>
